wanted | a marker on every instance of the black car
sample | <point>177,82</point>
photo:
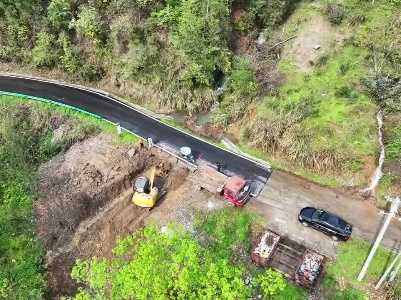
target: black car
<point>326,222</point>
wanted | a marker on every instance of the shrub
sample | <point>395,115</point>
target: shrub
<point>138,58</point>
<point>269,13</point>
<point>59,13</point>
<point>336,13</point>
<point>344,68</point>
<point>70,59</point>
<point>89,22</point>
<point>45,52</point>
<point>386,91</point>
<point>241,78</point>
<point>17,46</point>
<point>343,92</point>
<point>178,265</point>
<point>322,60</point>
<point>91,72</point>
<point>121,33</point>
<point>246,134</point>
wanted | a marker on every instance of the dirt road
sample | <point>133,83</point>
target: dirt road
<point>285,195</point>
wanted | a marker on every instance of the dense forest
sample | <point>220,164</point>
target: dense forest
<point>313,112</point>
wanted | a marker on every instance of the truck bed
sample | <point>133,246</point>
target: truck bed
<point>208,178</point>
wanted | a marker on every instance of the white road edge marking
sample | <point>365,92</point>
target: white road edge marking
<point>106,95</point>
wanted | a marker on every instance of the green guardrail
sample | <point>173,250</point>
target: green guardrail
<point>51,102</point>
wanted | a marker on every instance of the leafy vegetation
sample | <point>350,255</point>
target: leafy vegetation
<point>26,141</point>
<point>175,54</point>
<point>180,48</point>
<point>172,264</point>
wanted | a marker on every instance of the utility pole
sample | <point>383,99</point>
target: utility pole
<point>387,271</point>
<point>393,212</point>
<point>392,276</point>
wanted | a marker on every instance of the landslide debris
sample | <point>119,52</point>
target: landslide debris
<point>86,202</point>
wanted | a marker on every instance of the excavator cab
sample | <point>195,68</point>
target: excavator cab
<point>145,194</point>
<point>141,185</point>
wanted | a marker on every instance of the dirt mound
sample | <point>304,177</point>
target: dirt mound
<point>86,203</point>
<point>176,179</point>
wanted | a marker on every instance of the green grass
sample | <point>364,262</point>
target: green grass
<point>340,278</point>
<point>127,137</point>
<point>350,260</point>
<point>85,120</point>
<point>393,147</point>
<point>291,292</point>
<point>343,116</point>
<point>325,180</point>
<point>26,131</point>
<point>226,230</point>
<point>341,120</point>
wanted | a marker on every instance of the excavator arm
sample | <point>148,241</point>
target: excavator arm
<point>152,177</point>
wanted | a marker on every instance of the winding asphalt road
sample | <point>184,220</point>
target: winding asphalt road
<point>143,125</point>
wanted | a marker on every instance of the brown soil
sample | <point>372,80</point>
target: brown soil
<point>317,31</point>
<point>86,203</point>
<point>208,130</point>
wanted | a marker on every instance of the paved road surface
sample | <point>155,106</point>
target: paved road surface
<point>145,126</point>
<point>285,195</point>
<point>280,201</point>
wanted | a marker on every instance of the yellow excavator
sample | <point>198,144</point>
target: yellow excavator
<point>145,194</point>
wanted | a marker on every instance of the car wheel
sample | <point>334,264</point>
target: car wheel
<point>334,238</point>
<point>305,224</point>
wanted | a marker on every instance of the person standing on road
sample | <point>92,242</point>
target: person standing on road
<point>119,131</point>
<point>150,142</point>
<point>218,166</point>
<point>140,144</point>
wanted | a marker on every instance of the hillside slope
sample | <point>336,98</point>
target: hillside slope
<point>301,81</point>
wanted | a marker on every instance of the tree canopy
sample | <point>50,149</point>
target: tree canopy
<point>166,264</point>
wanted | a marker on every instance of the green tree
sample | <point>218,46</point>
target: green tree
<point>200,33</point>
<point>89,22</point>
<point>44,53</point>
<point>59,13</point>
<point>160,265</point>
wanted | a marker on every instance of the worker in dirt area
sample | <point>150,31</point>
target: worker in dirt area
<point>218,166</point>
<point>141,143</point>
<point>150,142</point>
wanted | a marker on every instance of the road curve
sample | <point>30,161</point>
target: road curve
<point>143,125</point>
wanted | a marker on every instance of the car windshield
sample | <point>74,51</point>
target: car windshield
<point>316,214</point>
<point>242,192</point>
